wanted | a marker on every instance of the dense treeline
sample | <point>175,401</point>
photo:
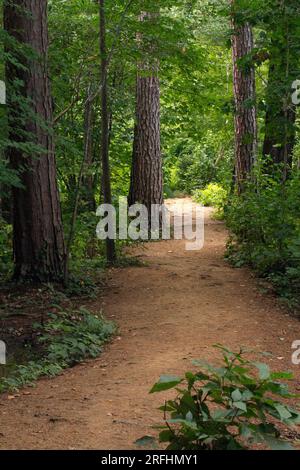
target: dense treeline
<point>212,84</point>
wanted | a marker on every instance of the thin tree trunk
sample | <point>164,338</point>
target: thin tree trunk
<point>146,173</point>
<point>244,96</point>
<point>88,179</point>
<point>280,128</point>
<point>39,251</point>
<point>106,184</point>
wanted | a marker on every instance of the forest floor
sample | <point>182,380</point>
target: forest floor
<point>169,311</point>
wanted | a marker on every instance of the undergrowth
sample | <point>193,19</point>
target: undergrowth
<point>265,226</point>
<point>65,339</point>
<point>213,195</point>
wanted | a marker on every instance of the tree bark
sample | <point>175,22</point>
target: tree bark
<point>39,251</point>
<point>106,184</point>
<point>146,173</point>
<point>244,96</point>
<point>88,178</point>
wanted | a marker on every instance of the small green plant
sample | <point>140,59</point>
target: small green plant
<point>65,340</point>
<point>82,286</point>
<point>70,337</point>
<point>213,195</point>
<point>230,407</point>
<point>5,249</point>
<point>27,374</point>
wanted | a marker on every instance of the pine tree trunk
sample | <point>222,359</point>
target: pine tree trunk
<point>5,199</point>
<point>146,173</point>
<point>146,176</point>
<point>106,183</point>
<point>39,251</point>
<point>245,109</point>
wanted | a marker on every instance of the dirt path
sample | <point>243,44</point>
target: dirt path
<point>170,311</point>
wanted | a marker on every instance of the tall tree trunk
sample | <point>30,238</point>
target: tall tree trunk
<point>244,96</point>
<point>146,173</point>
<point>106,184</point>
<point>88,178</point>
<point>5,196</point>
<point>39,251</point>
<point>280,128</point>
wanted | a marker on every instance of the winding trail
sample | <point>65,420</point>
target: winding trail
<point>169,311</point>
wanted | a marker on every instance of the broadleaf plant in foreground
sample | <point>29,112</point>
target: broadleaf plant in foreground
<point>235,406</point>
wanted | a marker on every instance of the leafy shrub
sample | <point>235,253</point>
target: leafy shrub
<point>265,224</point>
<point>85,244</point>
<point>194,167</point>
<point>213,195</point>
<point>70,337</point>
<point>191,164</point>
<point>66,339</point>
<point>5,247</point>
<point>26,375</point>
<point>85,276</point>
<point>227,408</point>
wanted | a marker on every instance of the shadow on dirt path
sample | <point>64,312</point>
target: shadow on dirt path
<point>170,311</point>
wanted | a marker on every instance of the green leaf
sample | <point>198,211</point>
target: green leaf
<point>247,395</point>
<point>190,376</point>
<point>295,419</point>
<point>189,424</point>
<point>277,444</point>
<point>236,395</point>
<point>201,376</point>
<point>146,441</point>
<point>233,445</point>
<point>264,370</point>
<point>240,405</point>
<point>165,383</point>
<point>283,411</point>
<point>245,431</point>
<point>166,436</point>
<point>282,375</point>
<point>220,415</point>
